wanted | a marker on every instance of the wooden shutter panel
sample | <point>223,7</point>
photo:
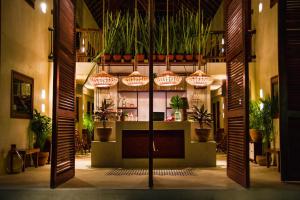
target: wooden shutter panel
<point>289,83</point>
<point>64,113</point>
<point>236,15</point>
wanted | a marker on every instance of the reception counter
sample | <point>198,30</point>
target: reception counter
<point>175,146</point>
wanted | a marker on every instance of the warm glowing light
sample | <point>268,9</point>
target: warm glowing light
<point>216,85</point>
<point>168,78</point>
<point>103,80</point>
<point>260,7</point>
<point>223,41</point>
<point>261,93</point>
<point>43,7</point>
<point>43,108</point>
<point>43,94</point>
<point>199,78</point>
<point>135,79</point>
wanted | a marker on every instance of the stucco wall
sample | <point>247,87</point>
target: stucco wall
<point>266,46</point>
<point>24,48</point>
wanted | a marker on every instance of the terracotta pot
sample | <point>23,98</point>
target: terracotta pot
<point>107,57</point>
<point>171,57</point>
<point>261,160</point>
<point>202,134</point>
<point>154,57</point>
<point>140,57</point>
<point>256,135</point>
<point>179,57</point>
<point>117,57</point>
<point>161,57</point>
<point>127,57</point>
<point>189,57</point>
<point>104,133</point>
<point>43,158</point>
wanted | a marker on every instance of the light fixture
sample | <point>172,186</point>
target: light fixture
<point>43,108</point>
<point>199,78</point>
<point>135,79</point>
<point>261,93</point>
<point>168,78</point>
<point>102,79</point>
<point>216,84</point>
<point>89,84</point>
<point>43,94</point>
<point>260,7</point>
<point>43,7</point>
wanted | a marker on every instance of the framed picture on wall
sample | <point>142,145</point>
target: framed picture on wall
<point>21,103</point>
<point>275,91</point>
<point>31,3</point>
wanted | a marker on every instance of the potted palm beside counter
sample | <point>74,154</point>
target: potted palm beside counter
<point>102,115</point>
<point>204,118</point>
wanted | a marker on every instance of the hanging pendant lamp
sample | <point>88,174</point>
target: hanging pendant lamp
<point>135,79</point>
<point>216,84</point>
<point>199,78</point>
<point>102,79</point>
<point>168,78</point>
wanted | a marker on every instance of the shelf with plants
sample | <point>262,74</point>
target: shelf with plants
<point>185,27</point>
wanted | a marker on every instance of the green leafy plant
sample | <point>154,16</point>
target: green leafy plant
<point>255,117</point>
<point>201,115</point>
<point>160,38</point>
<point>88,123</point>
<point>111,30</point>
<point>204,31</point>
<point>103,111</point>
<point>127,33</point>
<point>268,112</point>
<point>176,102</point>
<point>42,127</point>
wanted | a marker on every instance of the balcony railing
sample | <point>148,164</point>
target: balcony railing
<point>88,44</point>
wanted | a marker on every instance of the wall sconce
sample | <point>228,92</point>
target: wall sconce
<point>43,94</point>
<point>261,93</point>
<point>43,7</point>
<point>260,7</point>
<point>43,108</point>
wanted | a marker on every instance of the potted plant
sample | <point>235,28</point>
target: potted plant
<point>205,119</point>
<point>42,127</point>
<point>184,107</point>
<point>160,40</point>
<point>255,121</point>
<point>176,104</point>
<point>201,42</point>
<point>268,112</point>
<point>173,39</point>
<point>127,35</point>
<point>88,124</point>
<point>102,114</point>
<point>117,57</point>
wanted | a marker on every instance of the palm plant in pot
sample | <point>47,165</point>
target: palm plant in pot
<point>176,104</point>
<point>41,126</point>
<point>102,115</point>
<point>205,119</point>
<point>255,121</point>
<point>127,35</point>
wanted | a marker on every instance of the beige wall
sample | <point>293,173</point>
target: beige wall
<point>217,23</point>
<point>266,46</point>
<point>24,48</point>
<point>84,17</point>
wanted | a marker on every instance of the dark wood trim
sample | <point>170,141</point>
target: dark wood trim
<point>31,3</point>
<point>25,78</point>
<point>272,3</point>
<point>151,81</point>
<point>275,80</point>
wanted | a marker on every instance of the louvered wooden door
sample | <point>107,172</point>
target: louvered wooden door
<point>289,83</point>
<point>63,145</point>
<point>237,90</point>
